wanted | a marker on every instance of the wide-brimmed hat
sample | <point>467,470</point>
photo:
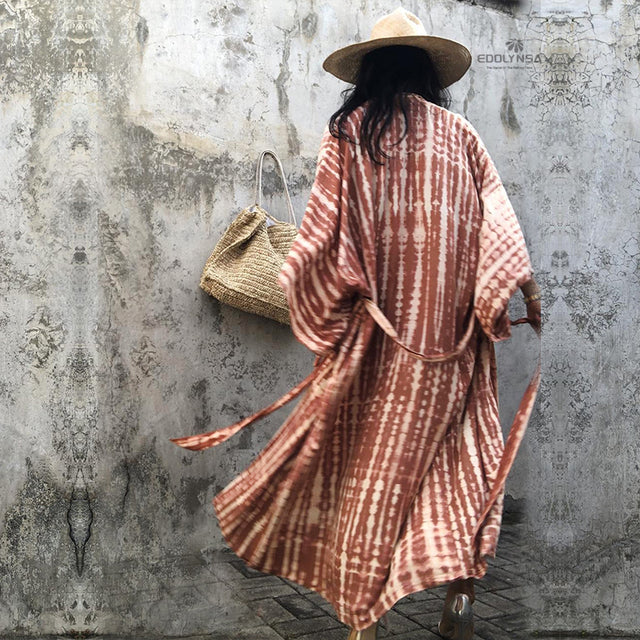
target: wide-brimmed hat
<point>451,58</point>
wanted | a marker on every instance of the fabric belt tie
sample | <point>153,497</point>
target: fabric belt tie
<point>322,368</point>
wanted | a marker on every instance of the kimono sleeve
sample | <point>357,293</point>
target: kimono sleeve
<point>323,272</point>
<point>503,260</point>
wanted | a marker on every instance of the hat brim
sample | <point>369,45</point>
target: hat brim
<point>451,59</point>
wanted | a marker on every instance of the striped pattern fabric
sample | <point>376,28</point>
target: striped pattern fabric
<point>386,478</point>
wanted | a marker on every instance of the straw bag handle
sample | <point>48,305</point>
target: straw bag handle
<point>258,196</point>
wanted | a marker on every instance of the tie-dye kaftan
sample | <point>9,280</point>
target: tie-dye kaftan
<point>378,482</point>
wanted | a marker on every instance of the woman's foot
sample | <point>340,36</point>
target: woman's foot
<point>457,615</point>
<point>462,585</point>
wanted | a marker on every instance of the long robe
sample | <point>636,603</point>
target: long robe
<point>388,476</point>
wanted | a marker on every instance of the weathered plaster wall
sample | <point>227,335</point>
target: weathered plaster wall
<point>581,185</point>
<point>129,136</point>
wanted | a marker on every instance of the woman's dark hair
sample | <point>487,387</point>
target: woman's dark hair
<point>384,75</point>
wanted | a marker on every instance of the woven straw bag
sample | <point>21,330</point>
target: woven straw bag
<point>243,269</point>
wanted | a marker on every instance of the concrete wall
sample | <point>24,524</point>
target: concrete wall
<point>129,136</point>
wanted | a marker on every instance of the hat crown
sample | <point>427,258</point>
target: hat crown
<point>398,23</point>
<point>451,59</point>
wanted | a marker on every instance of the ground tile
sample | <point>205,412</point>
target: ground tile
<point>486,611</point>
<point>271,611</point>
<point>505,605</point>
<point>339,633</point>
<point>419,607</point>
<point>418,595</point>
<point>398,624</point>
<point>262,581</point>
<point>512,622</point>
<point>246,570</point>
<point>295,628</point>
<point>268,591</point>
<point>300,606</point>
<point>420,634</point>
<point>488,631</point>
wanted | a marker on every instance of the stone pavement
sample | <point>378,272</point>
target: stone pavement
<point>224,599</point>
<point>291,612</point>
<point>267,607</point>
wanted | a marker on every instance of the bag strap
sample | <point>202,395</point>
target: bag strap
<point>258,193</point>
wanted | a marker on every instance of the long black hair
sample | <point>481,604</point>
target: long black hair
<point>384,75</point>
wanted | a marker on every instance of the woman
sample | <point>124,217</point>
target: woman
<point>388,476</point>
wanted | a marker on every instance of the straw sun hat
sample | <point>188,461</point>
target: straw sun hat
<point>450,58</point>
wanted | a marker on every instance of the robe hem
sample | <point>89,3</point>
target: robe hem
<point>476,570</point>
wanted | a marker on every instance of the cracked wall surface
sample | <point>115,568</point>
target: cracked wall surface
<point>130,133</point>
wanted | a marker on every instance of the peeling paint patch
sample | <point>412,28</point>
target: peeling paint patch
<point>142,31</point>
<point>309,25</point>
<point>508,114</point>
<point>44,337</point>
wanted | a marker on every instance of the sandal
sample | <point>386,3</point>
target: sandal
<point>457,618</point>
